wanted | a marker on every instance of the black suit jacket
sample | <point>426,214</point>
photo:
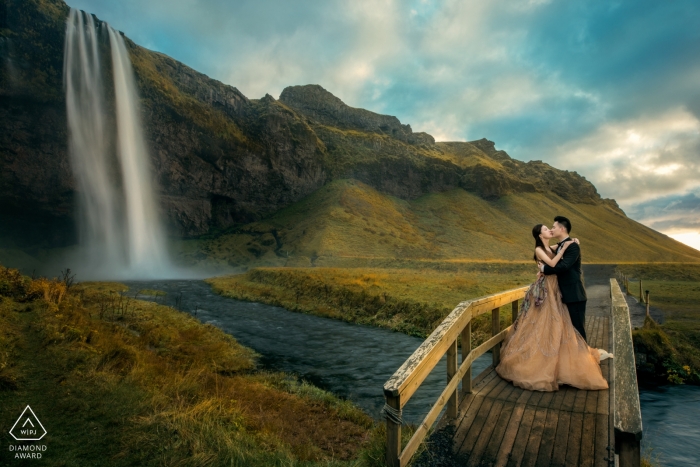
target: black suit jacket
<point>569,275</point>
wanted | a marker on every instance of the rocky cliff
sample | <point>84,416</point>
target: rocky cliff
<point>221,159</point>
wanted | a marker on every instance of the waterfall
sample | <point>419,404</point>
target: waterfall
<point>121,235</point>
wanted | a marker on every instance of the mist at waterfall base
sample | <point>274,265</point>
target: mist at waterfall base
<point>121,235</point>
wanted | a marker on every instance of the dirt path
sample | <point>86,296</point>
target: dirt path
<point>597,277</point>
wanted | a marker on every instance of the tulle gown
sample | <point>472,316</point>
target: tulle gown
<point>543,349</point>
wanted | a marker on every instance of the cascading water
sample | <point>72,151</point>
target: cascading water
<point>120,230</point>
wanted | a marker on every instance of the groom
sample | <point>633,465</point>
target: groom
<point>568,271</point>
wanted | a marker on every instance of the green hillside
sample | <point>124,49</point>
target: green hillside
<point>347,219</point>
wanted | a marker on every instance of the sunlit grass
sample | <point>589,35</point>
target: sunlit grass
<point>149,385</point>
<point>346,221</point>
<point>413,301</point>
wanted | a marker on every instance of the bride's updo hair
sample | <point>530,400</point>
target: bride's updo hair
<point>536,231</point>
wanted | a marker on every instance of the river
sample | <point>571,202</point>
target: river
<point>353,361</point>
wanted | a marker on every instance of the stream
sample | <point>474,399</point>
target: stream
<point>353,361</point>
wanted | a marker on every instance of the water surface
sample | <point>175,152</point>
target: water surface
<point>351,360</point>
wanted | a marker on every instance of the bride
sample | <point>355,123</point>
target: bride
<point>543,349</point>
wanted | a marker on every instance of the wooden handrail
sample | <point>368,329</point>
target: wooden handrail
<point>408,378</point>
<point>627,411</point>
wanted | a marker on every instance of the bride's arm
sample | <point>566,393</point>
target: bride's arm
<point>542,255</point>
<point>575,240</point>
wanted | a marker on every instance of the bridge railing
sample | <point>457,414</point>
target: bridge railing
<point>408,378</point>
<point>624,392</point>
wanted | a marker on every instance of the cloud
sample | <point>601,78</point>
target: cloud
<point>675,214</point>
<point>638,159</point>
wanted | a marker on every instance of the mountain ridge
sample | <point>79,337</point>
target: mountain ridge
<point>221,160</point>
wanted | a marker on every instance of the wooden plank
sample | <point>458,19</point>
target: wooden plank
<point>495,329</point>
<point>603,402</point>
<point>591,402</point>
<point>628,415</point>
<point>393,435</point>
<point>470,415</point>
<point>520,443</point>
<point>593,332</point>
<point>498,390</point>
<point>452,398</point>
<point>467,446</point>
<point>515,394</point>
<point>524,396</point>
<point>485,376</point>
<point>573,448</point>
<point>569,396</point>
<point>602,440</point>
<point>418,366</point>
<point>579,401</point>
<point>504,450</point>
<point>533,442</point>
<point>587,327</point>
<point>505,394</point>
<point>544,456</point>
<point>491,451</point>
<point>466,422</point>
<point>484,435</point>
<point>558,399</point>
<point>464,405</point>
<point>599,332</point>
<point>466,339</point>
<point>561,439</point>
<point>606,335</point>
<point>604,396</point>
<point>546,399</point>
<point>535,398</point>
<point>587,440</point>
<point>422,430</point>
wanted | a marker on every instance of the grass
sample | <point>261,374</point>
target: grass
<point>672,348</point>
<point>348,219</point>
<point>413,301</point>
<point>149,385</point>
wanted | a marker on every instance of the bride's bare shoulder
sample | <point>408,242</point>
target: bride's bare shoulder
<point>543,250</point>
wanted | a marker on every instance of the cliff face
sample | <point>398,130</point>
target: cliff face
<point>219,158</point>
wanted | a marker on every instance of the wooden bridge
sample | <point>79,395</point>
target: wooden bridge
<point>490,422</point>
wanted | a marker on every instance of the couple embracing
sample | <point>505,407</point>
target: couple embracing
<point>547,345</point>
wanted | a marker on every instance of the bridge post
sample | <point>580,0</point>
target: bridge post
<point>453,401</point>
<point>625,393</point>
<point>466,348</point>
<point>495,329</point>
<point>393,434</point>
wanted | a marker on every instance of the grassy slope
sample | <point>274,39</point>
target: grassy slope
<point>148,385</point>
<point>347,218</point>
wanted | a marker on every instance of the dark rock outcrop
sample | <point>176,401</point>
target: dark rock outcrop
<point>317,103</point>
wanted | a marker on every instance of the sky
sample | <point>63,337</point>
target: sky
<point>609,89</point>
